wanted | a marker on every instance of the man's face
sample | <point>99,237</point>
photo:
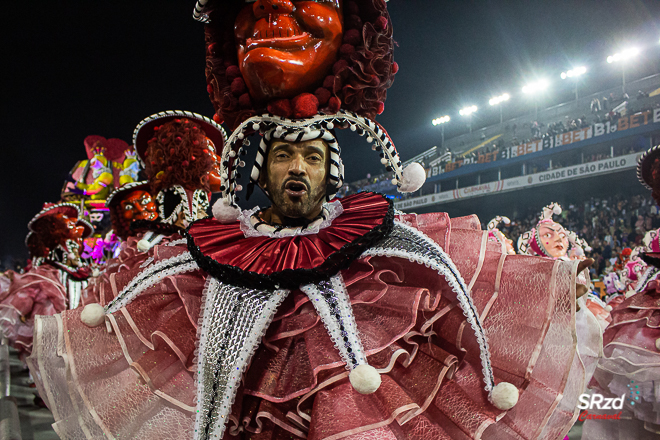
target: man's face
<point>287,46</point>
<point>139,205</point>
<point>554,239</point>
<point>295,177</point>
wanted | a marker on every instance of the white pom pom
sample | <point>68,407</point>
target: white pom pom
<point>556,209</point>
<point>383,161</point>
<point>93,315</point>
<point>365,379</point>
<point>143,245</point>
<point>71,256</point>
<point>255,126</point>
<point>353,128</point>
<point>414,177</point>
<point>95,272</point>
<point>232,153</point>
<point>330,125</point>
<point>370,139</point>
<point>608,308</point>
<point>241,136</point>
<point>504,396</point>
<point>224,212</point>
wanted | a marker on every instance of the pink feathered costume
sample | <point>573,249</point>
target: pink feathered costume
<point>136,376</point>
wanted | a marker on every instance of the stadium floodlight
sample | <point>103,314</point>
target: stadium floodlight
<point>623,55</point>
<point>535,87</point>
<point>467,111</point>
<point>620,57</point>
<point>574,73</point>
<point>499,100</point>
<point>442,120</point>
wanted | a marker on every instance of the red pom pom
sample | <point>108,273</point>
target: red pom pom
<point>381,107</point>
<point>353,22</point>
<point>305,105</point>
<point>178,138</point>
<point>238,86</point>
<point>346,50</point>
<point>195,142</point>
<point>352,37</point>
<point>217,118</point>
<point>281,107</point>
<point>334,104</point>
<point>153,162</point>
<point>156,128</point>
<point>232,72</point>
<point>395,67</point>
<point>210,49</point>
<point>340,65</point>
<point>323,95</point>
<point>329,82</point>
<point>209,89</point>
<point>184,163</point>
<point>169,168</point>
<point>192,158</point>
<point>172,151</point>
<point>381,23</point>
<point>244,101</point>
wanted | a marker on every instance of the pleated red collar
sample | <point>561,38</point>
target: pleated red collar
<point>287,262</point>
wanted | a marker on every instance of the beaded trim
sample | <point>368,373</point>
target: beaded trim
<point>150,277</point>
<point>332,303</point>
<point>253,226</point>
<point>234,321</point>
<point>411,244</point>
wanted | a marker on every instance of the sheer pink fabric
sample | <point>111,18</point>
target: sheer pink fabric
<point>36,292</point>
<point>631,362</point>
<point>137,382</point>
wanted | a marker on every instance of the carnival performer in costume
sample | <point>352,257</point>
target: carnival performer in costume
<point>316,318</point>
<point>180,150</point>
<point>494,234</point>
<point>631,363</point>
<point>55,278</point>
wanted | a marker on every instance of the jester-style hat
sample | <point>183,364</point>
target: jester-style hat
<point>530,243</point>
<point>578,245</point>
<point>71,210</point>
<point>353,69</point>
<point>36,242</point>
<point>174,173</point>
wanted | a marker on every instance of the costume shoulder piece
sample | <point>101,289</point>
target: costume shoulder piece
<point>255,260</point>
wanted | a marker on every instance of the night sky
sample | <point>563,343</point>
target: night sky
<point>91,67</point>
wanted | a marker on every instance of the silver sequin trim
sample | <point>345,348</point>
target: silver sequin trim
<point>332,303</point>
<point>234,321</point>
<point>150,277</point>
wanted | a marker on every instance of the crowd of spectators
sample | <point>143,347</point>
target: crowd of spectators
<point>609,225</point>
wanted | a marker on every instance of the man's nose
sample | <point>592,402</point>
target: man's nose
<point>297,166</point>
<point>264,8</point>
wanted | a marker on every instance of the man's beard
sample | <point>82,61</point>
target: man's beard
<point>298,207</point>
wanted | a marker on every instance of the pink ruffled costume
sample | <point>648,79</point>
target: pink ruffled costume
<point>631,366</point>
<point>147,379</point>
<point>39,291</point>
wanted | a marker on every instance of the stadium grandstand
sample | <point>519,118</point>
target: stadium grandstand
<point>581,154</point>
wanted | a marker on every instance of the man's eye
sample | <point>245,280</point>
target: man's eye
<point>128,207</point>
<point>282,156</point>
<point>315,158</point>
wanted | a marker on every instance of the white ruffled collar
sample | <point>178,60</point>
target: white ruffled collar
<point>253,226</point>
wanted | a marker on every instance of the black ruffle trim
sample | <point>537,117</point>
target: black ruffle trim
<point>293,278</point>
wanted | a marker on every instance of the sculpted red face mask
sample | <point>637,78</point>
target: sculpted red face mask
<point>287,47</point>
<point>73,231</point>
<point>139,205</point>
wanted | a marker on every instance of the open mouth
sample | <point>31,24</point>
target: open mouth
<point>295,188</point>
